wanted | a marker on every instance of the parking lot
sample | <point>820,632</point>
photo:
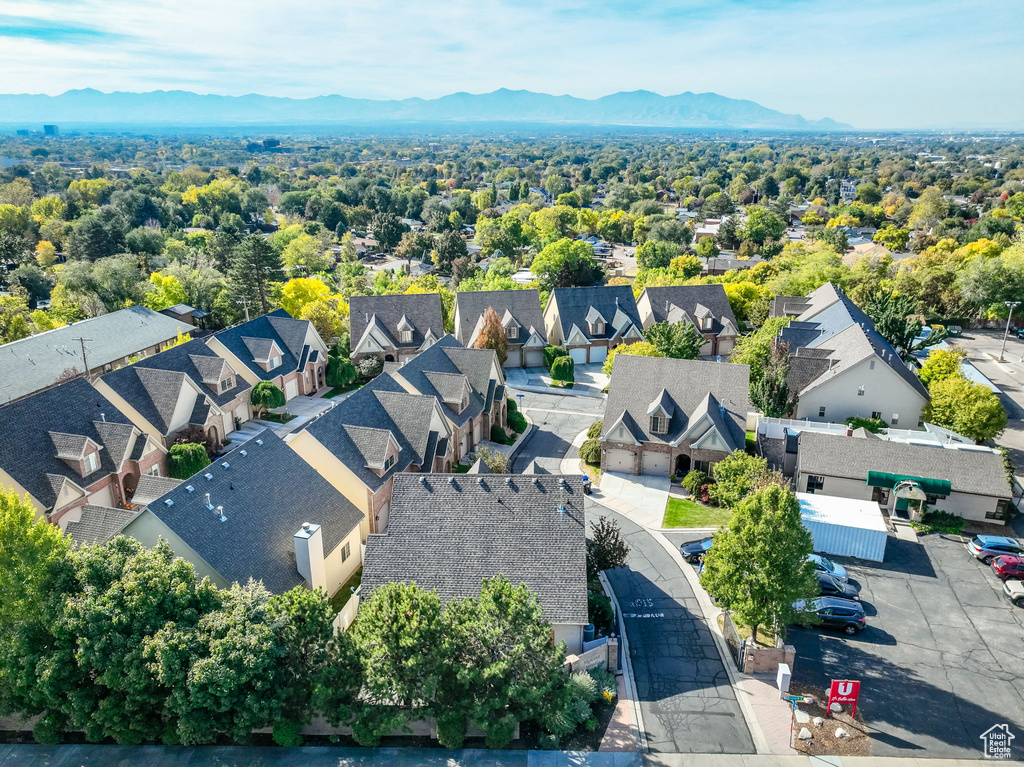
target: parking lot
<point>942,659</point>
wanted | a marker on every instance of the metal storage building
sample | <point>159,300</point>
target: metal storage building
<point>843,526</point>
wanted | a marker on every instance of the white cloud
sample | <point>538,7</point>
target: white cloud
<point>875,64</point>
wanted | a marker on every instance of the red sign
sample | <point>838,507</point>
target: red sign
<point>844,692</point>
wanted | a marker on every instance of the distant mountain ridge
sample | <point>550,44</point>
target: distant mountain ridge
<point>635,108</point>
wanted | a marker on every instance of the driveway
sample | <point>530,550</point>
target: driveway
<point>686,701</point>
<point>641,497</point>
<point>558,418</point>
<point>942,659</point>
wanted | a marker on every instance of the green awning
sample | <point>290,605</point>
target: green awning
<point>930,486</point>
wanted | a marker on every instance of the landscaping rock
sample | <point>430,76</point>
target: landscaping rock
<point>841,733</point>
<point>818,721</point>
<point>804,734</point>
<point>835,708</point>
<point>802,717</point>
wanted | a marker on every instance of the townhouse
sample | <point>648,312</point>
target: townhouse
<point>394,328</point>
<point>706,307</point>
<point>589,322</point>
<point>520,315</point>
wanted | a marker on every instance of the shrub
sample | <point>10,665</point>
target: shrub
<point>186,459</point>
<point>599,609</point>
<point>595,429</point>
<point>340,372</point>
<point>607,686</point>
<point>500,732</point>
<point>265,396</point>
<point>551,353</point>
<point>548,742</point>
<point>940,522</point>
<point>498,435</point>
<point>873,425</point>
<point>47,730</point>
<point>590,452</point>
<point>582,687</point>
<point>370,367</point>
<point>563,369</point>
<point>517,421</point>
<point>590,724</point>
<point>451,729</point>
<point>694,481</point>
<point>287,734</point>
<point>512,406</point>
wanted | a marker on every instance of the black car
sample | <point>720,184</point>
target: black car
<point>835,613</point>
<point>693,551</point>
<point>833,587</point>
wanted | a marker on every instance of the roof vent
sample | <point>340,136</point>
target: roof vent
<point>423,480</point>
<point>190,489</point>
<point>451,481</point>
<point>206,496</point>
<point>220,514</point>
<point>226,465</point>
<point>508,481</point>
<point>208,476</point>
<point>169,502</point>
<point>480,481</point>
<point>536,481</point>
<point>563,483</point>
<point>561,508</point>
<point>242,452</point>
<point>259,442</point>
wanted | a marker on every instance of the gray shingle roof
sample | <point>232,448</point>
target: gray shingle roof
<point>448,537</point>
<point>968,471</point>
<point>279,327</point>
<point>422,310</point>
<point>575,303</point>
<point>149,488</point>
<point>381,404</point>
<point>267,494</point>
<point>448,356</point>
<point>34,363</point>
<point>523,305</point>
<point>116,438</point>
<point>638,381</point>
<point>687,298</point>
<point>99,524</point>
<point>27,451</point>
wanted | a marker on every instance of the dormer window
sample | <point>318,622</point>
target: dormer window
<point>512,331</point>
<point>90,463</point>
<point>706,323</point>
<point>275,362</point>
<point>389,462</point>
<point>597,328</point>
<point>659,424</point>
<point>226,384</point>
<point>406,336</point>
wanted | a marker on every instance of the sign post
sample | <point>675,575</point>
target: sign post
<point>843,692</point>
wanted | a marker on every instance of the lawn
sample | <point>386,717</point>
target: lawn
<point>461,468</point>
<point>278,417</point>
<point>752,442</point>
<point>334,392</point>
<point>682,512</point>
<point>342,595</point>
<point>592,471</point>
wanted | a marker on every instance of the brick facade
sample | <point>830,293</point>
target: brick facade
<point>676,466</point>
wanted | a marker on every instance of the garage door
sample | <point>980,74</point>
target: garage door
<point>291,389</point>
<point>535,359</point>
<point>656,463</point>
<point>598,353</point>
<point>513,359</point>
<point>618,460</point>
<point>579,356</point>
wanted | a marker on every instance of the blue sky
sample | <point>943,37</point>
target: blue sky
<point>874,64</point>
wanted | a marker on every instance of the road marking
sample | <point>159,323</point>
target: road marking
<point>643,615</point>
<point>567,412</point>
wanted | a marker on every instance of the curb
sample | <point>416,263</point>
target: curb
<point>639,733</point>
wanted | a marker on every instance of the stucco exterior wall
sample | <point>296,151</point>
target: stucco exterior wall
<point>337,571</point>
<point>884,392</point>
<point>147,529</point>
<point>571,634</point>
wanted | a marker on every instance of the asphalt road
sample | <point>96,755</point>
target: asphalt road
<point>942,659</point>
<point>559,418</point>
<point>686,700</point>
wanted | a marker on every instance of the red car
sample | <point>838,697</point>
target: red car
<point>1008,567</point>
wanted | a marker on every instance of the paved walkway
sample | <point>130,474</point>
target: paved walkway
<point>590,381</point>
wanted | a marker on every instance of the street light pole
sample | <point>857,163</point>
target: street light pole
<point>1013,305</point>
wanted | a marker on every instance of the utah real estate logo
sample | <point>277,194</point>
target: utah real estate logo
<point>997,741</point>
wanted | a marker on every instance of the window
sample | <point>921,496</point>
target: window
<point>346,551</point>
<point>275,362</point>
<point>931,500</point>
<point>1000,512</point>
<point>659,424</point>
<point>860,391</point>
<point>821,412</point>
<point>91,462</point>
<point>706,323</point>
<point>512,331</point>
<point>876,414</point>
<point>815,483</point>
<point>895,419</point>
<point>597,328</point>
<point>871,365</point>
<point>406,336</point>
<point>389,462</point>
<point>704,466</point>
<point>227,384</point>
<point>153,471</point>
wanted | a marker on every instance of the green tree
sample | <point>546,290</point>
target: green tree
<point>565,264</point>
<point>680,340</point>
<point>387,230</point>
<point>415,245</point>
<point>758,567</point>
<point>563,369</point>
<point>762,226</point>
<point>770,392</point>
<point>967,408</point>
<point>448,247</point>
<point>186,459</point>
<point>736,476</point>
<point>265,396</point>
<point>755,349</point>
<point>895,320</point>
<point>255,266</point>
<point>590,451</point>
<point>492,336</point>
<point>340,372</point>
<point>606,549</point>
<point>942,364</point>
<point>656,255</point>
<point>640,348</point>
<point>707,249</point>
<point>892,237</point>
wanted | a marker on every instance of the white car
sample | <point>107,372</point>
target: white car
<point>825,565</point>
<point>1014,591</point>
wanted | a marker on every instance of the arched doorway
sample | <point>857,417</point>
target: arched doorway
<point>389,358</point>
<point>128,487</point>
<point>682,465</point>
<point>213,436</point>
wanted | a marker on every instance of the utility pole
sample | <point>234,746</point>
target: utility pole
<point>84,363</point>
<point>1013,305</point>
<point>245,305</point>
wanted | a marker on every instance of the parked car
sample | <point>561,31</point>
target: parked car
<point>835,613</point>
<point>693,552</point>
<point>1019,332</point>
<point>1008,567</point>
<point>987,547</point>
<point>825,565</point>
<point>1014,591</point>
<point>833,587</point>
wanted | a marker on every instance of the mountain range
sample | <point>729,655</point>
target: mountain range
<point>635,108</point>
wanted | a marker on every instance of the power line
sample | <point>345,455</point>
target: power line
<point>85,364</point>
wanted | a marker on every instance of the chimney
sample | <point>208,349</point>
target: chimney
<point>309,555</point>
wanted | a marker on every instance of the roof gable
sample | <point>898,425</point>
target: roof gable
<point>519,306</point>
<point>574,305</point>
<point>421,312</point>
